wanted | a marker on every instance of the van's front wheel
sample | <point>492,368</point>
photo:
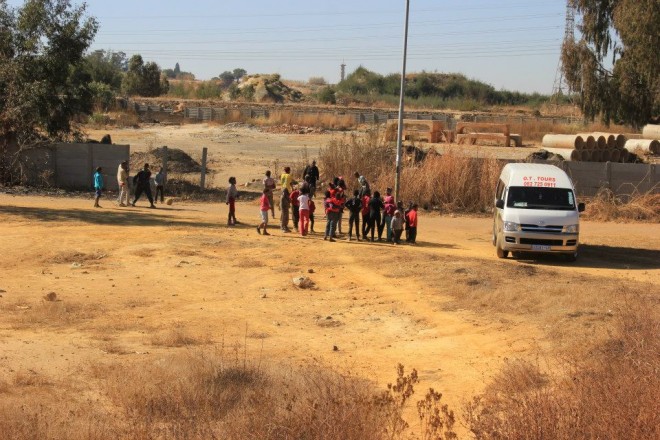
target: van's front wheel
<point>501,253</point>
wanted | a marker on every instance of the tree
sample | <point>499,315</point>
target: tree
<point>239,73</point>
<point>43,81</point>
<point>107,67</point>
<point>615,65</point>
<point>144,79</point>
<point>227,78</point>
<point>177,69</point>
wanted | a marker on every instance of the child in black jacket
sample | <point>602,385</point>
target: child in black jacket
<point>354,207</point>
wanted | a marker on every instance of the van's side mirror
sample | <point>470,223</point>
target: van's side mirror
<point>581,207</point>
<point>499,204</point>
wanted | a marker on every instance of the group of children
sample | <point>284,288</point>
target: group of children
<point>379,214</point>
<point>142,183</point>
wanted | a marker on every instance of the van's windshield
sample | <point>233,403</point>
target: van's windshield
<point>540,198</point>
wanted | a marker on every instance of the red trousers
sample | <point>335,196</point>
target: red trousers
<point>304,221</point>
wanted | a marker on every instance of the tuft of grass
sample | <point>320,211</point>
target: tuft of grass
<point>52,314</point>
<point>178,336</point>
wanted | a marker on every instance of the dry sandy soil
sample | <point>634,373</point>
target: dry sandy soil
<point>134,284</point>
<point>246,152</point>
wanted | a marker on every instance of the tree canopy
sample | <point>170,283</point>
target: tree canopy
<point>143,79</point>
<point>43,81</point>
<point>615,65</point>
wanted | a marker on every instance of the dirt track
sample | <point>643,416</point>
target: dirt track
<point>126,277</point>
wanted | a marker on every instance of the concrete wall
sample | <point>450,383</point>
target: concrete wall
<point>622,178</point>
<point>75,164</point>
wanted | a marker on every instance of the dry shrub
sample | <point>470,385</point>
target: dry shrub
<point>611,393</point>
<point>453,181</point>
<point>53,313</point>
<point>75,257</point>
<point>178,336</point>
<point>607,206</point>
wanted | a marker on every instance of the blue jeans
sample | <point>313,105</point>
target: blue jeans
<point>331,225</point>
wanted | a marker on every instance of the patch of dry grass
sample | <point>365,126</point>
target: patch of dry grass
<point>611,393</point>
<point>51,313</point>
<point>73,256</point>
<point>606,206</point>
<point>178,336</point>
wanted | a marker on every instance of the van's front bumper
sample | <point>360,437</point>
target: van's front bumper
<point>521,241</point>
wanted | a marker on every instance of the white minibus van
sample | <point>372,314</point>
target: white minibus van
<point>536,211</point>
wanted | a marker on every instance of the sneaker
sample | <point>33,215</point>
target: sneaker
<point>331,239</point>
<point>326,237</point>
<point>258,230</point>
<point>153,207</point>
<point>265,233</point>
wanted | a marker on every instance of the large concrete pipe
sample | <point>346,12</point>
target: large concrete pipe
<point>645,145</point>
<point>614,155</point>
<point>651,132</point>
<point>566,153</point>
<point>599,141</point>
<point>585,155</point>
<point>563,141</point>
<point>589,140</point>
<point>620,141</point>
<point>623,156</point>
<point>610,139</point>
<point>605,155</point>
<point>597,156</point>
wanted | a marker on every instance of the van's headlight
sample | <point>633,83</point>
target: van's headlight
<point>511,226</point>
<point>572,229</point>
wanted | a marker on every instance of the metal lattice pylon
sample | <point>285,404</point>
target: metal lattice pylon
<point>560,86</point>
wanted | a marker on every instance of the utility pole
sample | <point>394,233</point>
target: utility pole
<point>397,179</point>
<point>343,70</point>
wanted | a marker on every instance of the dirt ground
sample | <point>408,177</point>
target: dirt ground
<point>131,284</point>
<point>134,283</point>
<point>246,151</point>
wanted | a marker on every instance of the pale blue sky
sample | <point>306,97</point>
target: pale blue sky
<point>511,44</point>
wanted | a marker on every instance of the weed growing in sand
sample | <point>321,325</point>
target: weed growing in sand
<point>178,336</point>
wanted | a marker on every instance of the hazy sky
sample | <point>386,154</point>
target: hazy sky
<point>511,44</point>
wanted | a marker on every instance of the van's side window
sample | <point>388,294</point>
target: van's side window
<point>500,190</point>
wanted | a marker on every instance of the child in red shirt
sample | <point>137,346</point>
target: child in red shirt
<point>264,207</point>
<point>312,208</point>
<point>295,206</point>
<point>365,213</point>
<point>412,224</point>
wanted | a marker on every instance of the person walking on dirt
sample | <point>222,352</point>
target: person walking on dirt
<point>313,172</point>
<point>412,222</point>
<point>388,213</point>
<point>232,195</point>
<point>375,206</point>
<point>365,212</point>
<point>354,206</point>
<point>332,214</point>
<point>159,180</point>
<point>269,184</point>
<point>264,207</point>
<point>295,207</point>
<point>303,210</point>
<point>98,186</point>
<point>122,181</point>
<point>142,185</point>
<point>312,208</point>
<point>285,202</point>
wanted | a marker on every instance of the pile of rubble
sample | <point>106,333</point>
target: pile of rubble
<point>293,129</point>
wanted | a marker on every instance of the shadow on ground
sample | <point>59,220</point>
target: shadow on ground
<point>127,217</point>
<point>603,257</point>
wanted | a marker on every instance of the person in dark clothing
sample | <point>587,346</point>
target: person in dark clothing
<point>141,182</point>
<point>313,172</point>
<point>365,213</point>
<point>375,206</point>
<point>295,204</point>
<point>354,206</point>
